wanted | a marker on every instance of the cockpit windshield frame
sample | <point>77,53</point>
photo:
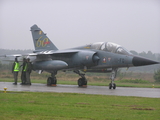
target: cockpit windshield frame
<point>110,47</point>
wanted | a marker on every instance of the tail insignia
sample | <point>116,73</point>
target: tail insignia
<point>40,32</point>
<point>42,42</point>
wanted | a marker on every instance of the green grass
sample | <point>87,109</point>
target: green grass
<point>74,106</point>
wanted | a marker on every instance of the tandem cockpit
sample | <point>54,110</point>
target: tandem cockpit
<point>110,47</point>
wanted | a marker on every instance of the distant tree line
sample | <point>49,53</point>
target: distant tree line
<point>12,51</point>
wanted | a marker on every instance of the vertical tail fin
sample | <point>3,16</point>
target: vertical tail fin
<point>40,40</point>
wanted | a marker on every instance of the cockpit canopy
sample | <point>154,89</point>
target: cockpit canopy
<point>110,47</point>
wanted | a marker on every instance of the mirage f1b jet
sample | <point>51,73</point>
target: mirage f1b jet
<point>95,57</point>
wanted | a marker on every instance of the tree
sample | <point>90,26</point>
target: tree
<point>157,75</point>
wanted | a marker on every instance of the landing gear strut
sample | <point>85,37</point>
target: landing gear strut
<point>82,82</point>
<point>52,81</point>
<point>113,76</point>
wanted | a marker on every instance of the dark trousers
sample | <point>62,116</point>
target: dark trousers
<point>28,81</point>
<point>23,77</point>
<point>15,74</point>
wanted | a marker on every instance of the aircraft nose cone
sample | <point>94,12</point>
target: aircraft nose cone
<point>139,61</point>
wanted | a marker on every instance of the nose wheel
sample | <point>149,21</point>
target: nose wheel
<point>112,86</point>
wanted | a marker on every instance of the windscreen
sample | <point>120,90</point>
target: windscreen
<point>110,47</point>
<point>114,48</point>
<point>96,45</point>
<point>123,51</point>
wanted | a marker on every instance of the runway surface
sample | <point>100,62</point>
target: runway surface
<point>102,90</point>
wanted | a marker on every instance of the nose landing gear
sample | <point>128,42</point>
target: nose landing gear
<point>113,76</point>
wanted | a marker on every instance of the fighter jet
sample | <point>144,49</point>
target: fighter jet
<point>95,57</point>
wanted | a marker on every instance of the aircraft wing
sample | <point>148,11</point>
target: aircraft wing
<point>13,55</point>
<point>51,52</point>
<point>55,52</point>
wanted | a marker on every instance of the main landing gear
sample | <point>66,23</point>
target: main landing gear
<point>52,81</point>
<point>113,76</point>
<point>82,82</point>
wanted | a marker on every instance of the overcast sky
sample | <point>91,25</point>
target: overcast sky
<point>134,24</point>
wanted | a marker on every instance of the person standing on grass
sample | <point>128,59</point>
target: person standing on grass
<point>15,70</point>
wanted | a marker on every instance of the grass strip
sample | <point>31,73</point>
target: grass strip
<point>67,106</point>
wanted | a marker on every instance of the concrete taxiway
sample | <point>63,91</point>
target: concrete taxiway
<point>102,90</point>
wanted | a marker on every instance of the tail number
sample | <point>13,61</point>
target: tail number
<point>42,42</point>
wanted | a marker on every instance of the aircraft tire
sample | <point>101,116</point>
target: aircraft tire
<point>54,80</point>
<point>110,86</point>
<point>80,82</point>
<point>85,82</point>
<point>49,81</point>
<point>114,86</point>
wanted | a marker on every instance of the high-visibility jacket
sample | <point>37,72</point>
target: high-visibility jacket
<point>25,68</point>
<point>16,67</point>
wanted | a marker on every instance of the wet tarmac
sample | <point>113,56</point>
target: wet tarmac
<point>101,90</point>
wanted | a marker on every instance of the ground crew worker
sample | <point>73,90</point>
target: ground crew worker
<point>23,74</point>
<point>28,72</point>
<point>15,70</point>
